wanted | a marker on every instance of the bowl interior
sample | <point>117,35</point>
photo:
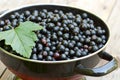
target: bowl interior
<point>97,20</point>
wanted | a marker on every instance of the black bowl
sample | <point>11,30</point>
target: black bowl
<point>35,70</point>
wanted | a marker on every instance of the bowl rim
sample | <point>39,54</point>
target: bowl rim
<point>61,61</point>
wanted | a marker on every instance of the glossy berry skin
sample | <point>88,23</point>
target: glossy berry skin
<point>47,49</point>
<point>59,33</point>
<point>34,56</point>
<point>76,30</point>
<point>95,48</point>
<point>53,48</point>
<point>84,53</point>
<point>49,58</point>
<point>44,53</point>
<point>6,28</point>
<point>40,56</point>
<point>2,23</point>
<point>12,17</point>
<point>63,56</point>
<point>65,43</point>
<point>32,18</point>
<point>72,53</point>
<point>84,15</point>
<point>66,49</point>
<point>99,40</point>
<point>61,48</point>
<point>76,38</point>
<point>56,55</point>
<point>40,47</point>
<point>27,13</point>
<point>87,33</point>
<point>79,44</point>
<point>78,53</point>
<point>71,45</point>
<point>66,36</point>
<point>56,28</point>
<point>34,50</point>
<point>50,53</point>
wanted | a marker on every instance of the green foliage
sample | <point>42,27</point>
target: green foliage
<point>22,38</point>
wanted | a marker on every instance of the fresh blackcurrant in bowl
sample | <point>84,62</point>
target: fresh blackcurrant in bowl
<point>61,31</point>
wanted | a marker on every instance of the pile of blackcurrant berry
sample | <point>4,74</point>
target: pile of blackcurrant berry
<point>65,35</point>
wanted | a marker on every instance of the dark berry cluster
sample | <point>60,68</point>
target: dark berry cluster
<point>65,35</point>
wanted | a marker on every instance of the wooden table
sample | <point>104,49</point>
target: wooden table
<point>108,10</point>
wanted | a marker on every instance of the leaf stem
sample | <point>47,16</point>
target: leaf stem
<point>10,26</point>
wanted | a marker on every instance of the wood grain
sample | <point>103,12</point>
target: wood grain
<point>114,44</point>
<point>5,4</point>
<point>108,10</point>
<point>2,69</point>
<point>114,24</point>
<point>7,75</point>
<point>59,2</point>
<point>101,8</point>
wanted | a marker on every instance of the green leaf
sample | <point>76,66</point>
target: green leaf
<point>22,38</point>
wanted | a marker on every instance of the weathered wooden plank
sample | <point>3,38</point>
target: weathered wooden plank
<point>101,8</point>
<point>112,76</point>
<point>114,24</point>
<point>5,4</point>
<point>58,2</point>
<point>7,75</point>
<point>2,68</point>
<point>114,45</point>
<point>118,58</point>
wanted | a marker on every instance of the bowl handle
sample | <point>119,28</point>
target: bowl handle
<point>99,71</point>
